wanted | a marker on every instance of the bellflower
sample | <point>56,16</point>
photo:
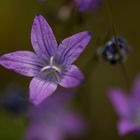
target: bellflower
<point>51,64</point>
<point>128,108</point>
<point>114,51</point>
<point>84,5</point>
<point>54,120</point>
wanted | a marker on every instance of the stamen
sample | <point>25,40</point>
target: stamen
<point>46,68</point>
<point>56,68</point>
<point>51,66</point>
<point>51,60</point>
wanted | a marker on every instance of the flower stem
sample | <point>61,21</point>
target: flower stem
<point>113,28</point>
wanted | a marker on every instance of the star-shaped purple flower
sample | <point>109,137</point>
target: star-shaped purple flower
<point>128,108</point>
<point>51,64</point>
<point>84,5</point>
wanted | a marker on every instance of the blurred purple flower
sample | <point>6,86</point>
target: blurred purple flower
<point>84,5</point>
<point>51,64</point>
<point>53,120</point>
<point>128,108</point>
<point>41,0</point>
<point>114,51</point>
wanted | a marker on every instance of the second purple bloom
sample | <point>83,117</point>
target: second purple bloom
<point>128,108</point>
<point>84,5</point>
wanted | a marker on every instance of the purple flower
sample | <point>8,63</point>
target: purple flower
<point>51,64</point>
<point>54,120</point>
<point>84,5</point>
<point>128,108</point>
<point>114,51</point>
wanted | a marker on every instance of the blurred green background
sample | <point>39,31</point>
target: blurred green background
<point>16,17</point>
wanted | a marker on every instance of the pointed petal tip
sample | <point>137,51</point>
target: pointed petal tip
<point>90,33</point>
<point>39,16</point>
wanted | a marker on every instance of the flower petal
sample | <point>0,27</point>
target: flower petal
<point>72,78</point>
<point>126,127</point>
<point>87,4</point>
<point>22,62</point>
<point>73,124</point>
<point>119,101</point>
<point>70,48</point>
<point>43,131</point>
<point>40,89</point>
<point>136,88</point>
<point>42,37</point>
<point>83,4</point>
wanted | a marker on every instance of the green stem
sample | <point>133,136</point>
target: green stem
<point>110,12</point>
<point>113,26</point>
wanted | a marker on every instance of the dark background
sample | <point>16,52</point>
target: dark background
<point>16,17</point>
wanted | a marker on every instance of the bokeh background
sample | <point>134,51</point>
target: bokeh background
<point>16,17</point>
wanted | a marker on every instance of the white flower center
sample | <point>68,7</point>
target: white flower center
<point>51,66</point>
<point>51,70</point>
